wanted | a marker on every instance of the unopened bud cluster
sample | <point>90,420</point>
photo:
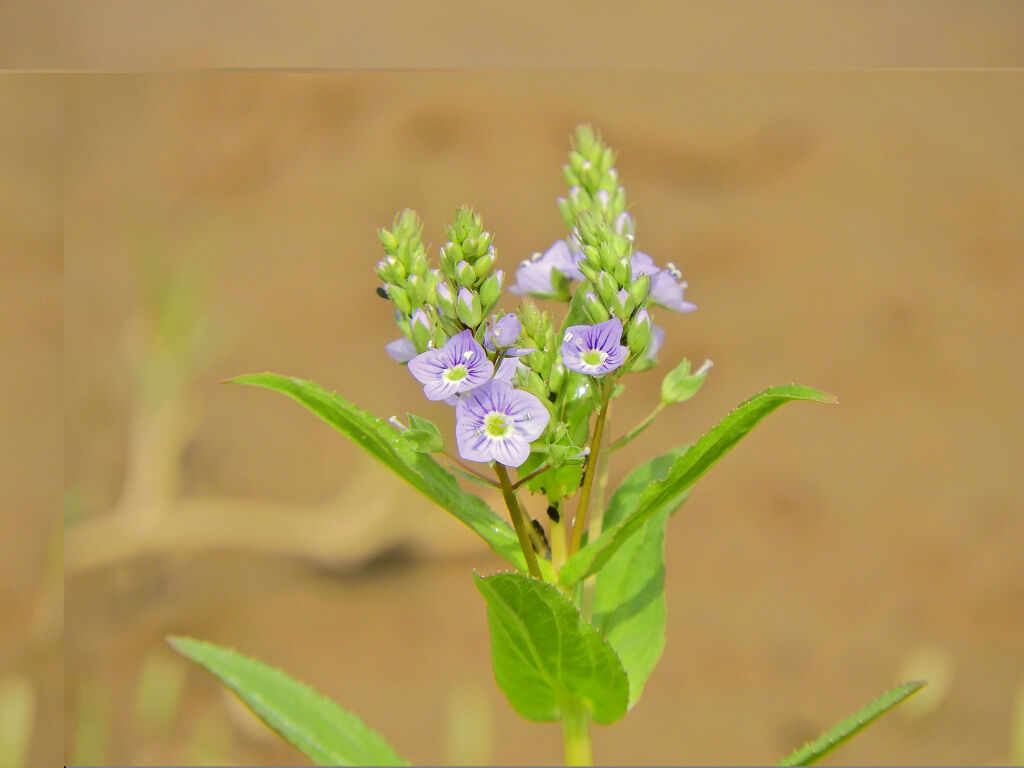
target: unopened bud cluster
<point>409,282</point>
<point>593,182</point>
<point>473,286</point>
<point>615,290</point>
<point>433,305</point>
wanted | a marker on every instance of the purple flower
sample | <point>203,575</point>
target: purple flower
<point>460,365</point>
<point>401,350</point>
<point>497,423</point>
<point>503,334</point>
<point>666,284</point>
<point>534,276</point>
<point>594,349</point>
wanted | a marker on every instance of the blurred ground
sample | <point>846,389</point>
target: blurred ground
<point>858,232</point>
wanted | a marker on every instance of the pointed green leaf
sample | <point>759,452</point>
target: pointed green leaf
<point>841,731</point>
<point>315,725</point>
<point>629,597</point>
<point>382,441</point>
<point>700,457</point>
<point>545,656</point>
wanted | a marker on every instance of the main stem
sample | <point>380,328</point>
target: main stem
<point>576,735</point>
<point>580,524</point>
<point>518,521</point>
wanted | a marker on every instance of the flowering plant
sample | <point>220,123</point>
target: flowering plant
<point>578,625</point>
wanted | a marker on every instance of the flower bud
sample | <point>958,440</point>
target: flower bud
<point>606,288</point>
<point>387,239</point>
<point>468,308</point>
<point>484,264</point>
<point>505,331</point>
<point>640,289</point>
<point>530,317</point>
<point>399,297</point>
<point>680,384</point>
<point>621,305</point>
<point>490,291</point>
<point>445,299</point>
<point>464,274</point>
<point>638,333</point>
<point>418,263</point>
<point>595,309</point>
<point>453,252</point>
<point>421,327</point>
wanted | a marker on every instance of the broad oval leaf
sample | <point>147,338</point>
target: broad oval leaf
<point>315,725</point>
<point>382,441</point>
<point>546,657</point>
<point>700,457</point>
<point>629,596</point>
<point>841,731</point>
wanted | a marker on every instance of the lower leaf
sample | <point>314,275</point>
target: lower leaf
<point>326,733</point>
<point>841,731</point>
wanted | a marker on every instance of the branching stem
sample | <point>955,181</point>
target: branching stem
<point>628,437</point>
<point>519,522</point>
<point>580,523</point>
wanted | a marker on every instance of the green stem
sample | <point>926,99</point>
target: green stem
<point>580,523</point>
<point>456,462</point>
<point>523,480</point>
<point>637,429</point>
<point>519,521</point>
<point>576,735</point>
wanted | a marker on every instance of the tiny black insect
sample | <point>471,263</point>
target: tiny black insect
<point>381,292</point>
<point>543,537</point>
<point>553,513</point>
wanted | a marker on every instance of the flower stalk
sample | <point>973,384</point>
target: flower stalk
<point>519,521</point>
<point>580,523</point>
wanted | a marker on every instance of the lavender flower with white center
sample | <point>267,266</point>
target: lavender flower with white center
<point>459,366</point>
<point>497,423</point>
<point>534,276</point>
<point>594,349</point>
<point>401,350</point>
<point>666,284</point>
<point>503,334</point>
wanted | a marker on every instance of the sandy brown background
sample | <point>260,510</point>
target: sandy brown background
<point>859,232</point>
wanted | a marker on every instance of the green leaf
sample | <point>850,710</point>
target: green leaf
<point>629,597</point>
<point>546,657</point>
<point>841,731</point>
<point>382,441</point>
<point>317,726</point>
<point>700,457</point>
<point>680,385</point>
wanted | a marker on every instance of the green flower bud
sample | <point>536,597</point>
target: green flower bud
<point>422,328</point>
<point>680,384</point>
<point>399,298</point>
<point>387,239</point>
<point>445,299</point>
<point>640,290</point>
<point>622,272</point>
<point>589,271</point>
<point>606,288</point>
<point>597,311</point>
<point>490,291</point>
<point>484,264</point>
<point>464,274</point>
<point>638,333</point>
<point>468,308</point>
<point>529,316</point>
